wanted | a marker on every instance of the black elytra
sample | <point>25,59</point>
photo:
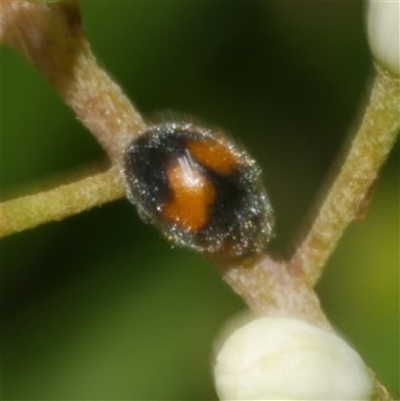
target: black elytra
<point>199,188</point>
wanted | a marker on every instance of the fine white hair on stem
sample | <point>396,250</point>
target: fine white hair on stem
<point>283,358</point>
<point>383,23</point>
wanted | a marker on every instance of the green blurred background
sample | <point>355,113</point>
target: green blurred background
<point>99,306</point>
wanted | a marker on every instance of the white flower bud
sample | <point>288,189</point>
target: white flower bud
<point>384,33</point>
<point>288,359</point>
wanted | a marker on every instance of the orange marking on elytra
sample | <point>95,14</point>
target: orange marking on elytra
<point>192,196</point>
<point>213,155</point>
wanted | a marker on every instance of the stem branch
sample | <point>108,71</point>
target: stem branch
<point>58,203</point>
<point>52,38</point>
<point>367,153</point>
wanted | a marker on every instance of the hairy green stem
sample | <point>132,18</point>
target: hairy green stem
<point>366,154</point>
<point>58,203</point>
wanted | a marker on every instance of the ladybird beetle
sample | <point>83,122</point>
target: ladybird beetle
<point>200,188</point>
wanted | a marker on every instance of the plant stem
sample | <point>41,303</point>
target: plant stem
<point>56,204</point>
<point>52,37</point>
<point>269,289</point>
<point>367,153</point>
